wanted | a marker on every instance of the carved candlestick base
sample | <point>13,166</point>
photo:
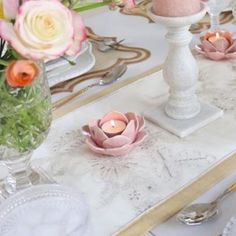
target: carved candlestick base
<point>183,113</point>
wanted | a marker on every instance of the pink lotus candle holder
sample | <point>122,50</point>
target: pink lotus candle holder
<point>217,45</point>
<point>116,134</point>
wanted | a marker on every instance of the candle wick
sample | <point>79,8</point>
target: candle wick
<point>113,125</point>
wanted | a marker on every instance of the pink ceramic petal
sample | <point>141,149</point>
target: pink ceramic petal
<point>93,123</point>
<point>232,48</point>
<point>227,35</point>
<point>221,45</point>
<point>130,131</point>
<point>117,141</point>
<point>86,130</point>
<point>141,123</point>
<point>231,56</point>
<point>208,47</point>
<point>114,115</point>
<point>93,147</point>
<point>140,138</point>
<point>132,116</point>
<point>98,135</point>
<point>122,151</point>
<point>216,56</point>
<point>199,49</point>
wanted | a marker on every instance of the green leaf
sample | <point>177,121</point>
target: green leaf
<point>88,6</point>
<point>25,116</point>
<point>3,62</point>
<point>16,55</point>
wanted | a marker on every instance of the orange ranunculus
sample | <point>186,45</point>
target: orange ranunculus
<point>21,73</point>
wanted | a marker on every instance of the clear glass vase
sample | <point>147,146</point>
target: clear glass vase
<point>25,119</point>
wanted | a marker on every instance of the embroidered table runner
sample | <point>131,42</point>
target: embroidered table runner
<point>133,191</point>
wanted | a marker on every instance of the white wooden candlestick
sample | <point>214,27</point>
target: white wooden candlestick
<point>183,113</point>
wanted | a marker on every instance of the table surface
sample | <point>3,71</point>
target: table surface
<point>152,39</point>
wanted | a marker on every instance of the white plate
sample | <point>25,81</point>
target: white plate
<point>50,65</point>
<point>60,70</point>
<point>230,228</point>
<point>44,210</point>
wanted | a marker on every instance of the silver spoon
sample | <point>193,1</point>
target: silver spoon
<point>107,45</point>
<point>196,214</point>
<point>110,77</point>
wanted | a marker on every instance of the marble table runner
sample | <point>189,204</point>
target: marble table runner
<point>119,190</point>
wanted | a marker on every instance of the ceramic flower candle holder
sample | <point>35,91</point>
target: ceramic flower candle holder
<point>116,134</point>
<point>217,45</point>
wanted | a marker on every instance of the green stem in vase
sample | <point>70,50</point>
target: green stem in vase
<point>3,63</point>
<point>25,116</point>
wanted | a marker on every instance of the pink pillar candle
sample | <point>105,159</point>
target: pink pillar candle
<point>175,8</point>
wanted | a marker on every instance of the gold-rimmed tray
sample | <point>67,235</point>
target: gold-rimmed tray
<point>104,62</point>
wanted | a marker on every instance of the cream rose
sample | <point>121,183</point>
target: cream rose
<point>44,29</point>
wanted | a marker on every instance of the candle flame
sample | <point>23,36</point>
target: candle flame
<point>113,123</point>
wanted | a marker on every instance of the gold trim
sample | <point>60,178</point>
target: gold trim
<point>73,106</point>
<point>171,206</point>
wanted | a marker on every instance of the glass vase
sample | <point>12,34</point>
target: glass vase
<point>25,118</point>
<point>215,7</point>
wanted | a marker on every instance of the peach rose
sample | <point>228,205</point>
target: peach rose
<point>21,73</point>
<point>44,29</point>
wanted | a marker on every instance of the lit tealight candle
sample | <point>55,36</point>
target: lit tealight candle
<point>215,37</point>
<point>220,40</point>
<point>114,127</point>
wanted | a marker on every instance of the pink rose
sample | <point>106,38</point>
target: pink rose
<point>44,29</point>
<point>129,4</point>
<point>10,8</point>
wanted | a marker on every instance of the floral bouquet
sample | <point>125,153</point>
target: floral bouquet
<point>31,32</point>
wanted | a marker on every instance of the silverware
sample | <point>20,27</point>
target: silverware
<point>196,214</point>
<point>110,77</point>
<point>107,44</point>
